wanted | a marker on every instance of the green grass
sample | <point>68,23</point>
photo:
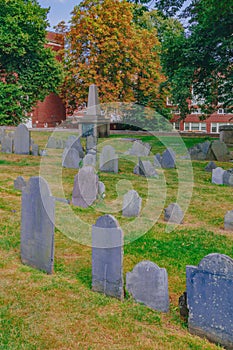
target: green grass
<point>60,311</point>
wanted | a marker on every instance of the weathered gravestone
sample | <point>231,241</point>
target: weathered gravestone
<point>146,168</point>
<point>7,144</point>
<point>174,214</point>
<point>131,204</point>
<point>218,151</point>
<point>74,142</point>
<point>37,225</point>
<point>210,166</point>
<point>200,151</point>
<point>107,257</point>
<point>89,159</point>
<point>226,134</point>
<point>85,188</point>
<point>108,160</point>
<point>101,189</point>
<point>140,149</point>
<point>157,160</point>
<point>19,183</point>
<point>168,159</point>
<point>2,133</point>
<point>22,140</point>
<point>91,143</point>
<point>227,178</point>
<point>52,142</point>
<point>217,176</point>
<point>71,158</point>
<point>228,221</point>
<point>148,284</point>
<point>35,149</point>
<point>209,296</point>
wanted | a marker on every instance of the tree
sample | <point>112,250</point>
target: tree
<point>105,47</point>
<point>28,70</point>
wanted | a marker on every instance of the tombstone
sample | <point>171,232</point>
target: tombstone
<point>136,170</point>
<point>89,159</point>
<point>200,151</point>
<point>209,291</point>
<point>147,169</point>
<point>108,160</point>
<point>107,257</point>
<point>85,188</point>
<point>228,221</point>
<point>220,151</point>
<point>2,133</point>
<point>71,159</point>
<point>157,160</point>
<point>210,166</point>
<point>101,189</point>
<point>148,284</point>
<point>7,144</point>
<point>140,149</point>
<point>37,225</point>
<point>22,140</point>
<point>226,134</point>
<point>168,159</point>
<point>35,149</point>
<point>43,153</point>
<point>174,214</point>
<point>74,142</point>
<point>51,142</point>
<point>131,204</point>
<point>227,178</point>
<point>91,143</point>
<point>19,183</point>
<point>217,176</point>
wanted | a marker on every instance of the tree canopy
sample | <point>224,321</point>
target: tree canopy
<point>28,70</point>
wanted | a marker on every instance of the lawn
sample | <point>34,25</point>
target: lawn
<point>59,311</point>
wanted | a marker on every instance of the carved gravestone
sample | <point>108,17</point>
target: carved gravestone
<point>227,178</point>
<point>52,142</point>
<point>228,221</point>
<point>210,166</point>
<point>131,204</point>
<point>19,183</point>
<point>157,160</point>
<point>85,188</point>
<point>147,169</point>
<point>148,284</point>
<point>217,176</point>
<point>91,143</point>
<point>71,158</point>
<point>37,225</point>
<point>74,142</point>
<point>220,151</point>
<point>35,149</point>
<point>108,160</point>
<point>107,257</point>
<point>168,159</point>
<point>22,140</point>
<point>89,159</point>
<point>174,214</point>
<point>7,144</point>
<point>140,149</point>
<point>209,290</point>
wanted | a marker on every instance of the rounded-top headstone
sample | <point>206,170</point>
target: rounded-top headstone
<point>219,264</point>
<point>106,221</point>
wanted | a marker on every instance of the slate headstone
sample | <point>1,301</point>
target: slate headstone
<point>35,149</point>
<point>209,290</point>
<point>19,183</point>
<point>101,189</point>
<point>174,214</point>
<point>217,176</point>
<point>85,188</point>
<point>70,158</point>
<point>22,140</point>
<point>131,204</point>
<point>157,160</point>
<point>220,151</point>
<point>89,159</point>
<point>210,166</point>
<point>37,225</point>
<point>52,143</point>
<point>228,177</point>
<point>108,160</point>
<point>140,149</point>
<point>136,170</point>
<point>147,169</point>
<point>168,159</point>
<point>74,142</point>
<point>7,144</point>
<point>107,257</point>
<point>228,221</point>
<point>91,143</point>
<point>148,284</point>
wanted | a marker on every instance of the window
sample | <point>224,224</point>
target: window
<point>221,111</point>
<point>186,126</point>
<point>176,125</point>
<point>196,111</point>
<point>194,126</point>
<point>203,126</point>
<point>213,127</point>
<point>176,111</point>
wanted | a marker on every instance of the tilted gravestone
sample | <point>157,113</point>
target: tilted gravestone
<point>74,142</point>
<point>209,290</point>
<point>71,158</point>
<point>108,160</point>
<point>148,284</point>
<point>210,166</point>
<point>107,257</point>
<point>174,214</point>
<point>89,159</point>
<point>140,149</point>
<point>22,140</point>
<point>37,225</point>
<point>146,168</point>
<point>228,177</point>
<point>157,160</point>
<point>136,170</point>
<point>228,221</point>
<point>220,151</point>
<point>131,204</point>
<point>217,176</point>
<point>85,188</point>
<point>200,151</point>
<point>168,159</point>
<point>7,144</point>
<point>19,183</point>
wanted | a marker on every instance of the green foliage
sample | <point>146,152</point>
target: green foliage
<point>28,70</point>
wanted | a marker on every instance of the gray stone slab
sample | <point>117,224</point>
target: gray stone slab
<point>108,160</point>
<point>168,159</point>
<point>148,284</point>
<point>136,170</point>
<point>91,143</point>
<point>210,166</point>
<point>228,221</point>
<point>37,225</point>
<point>209,291</point>
<point>147,169</point>
<point>140,149</point>
<point>220,151</point>
<point>217,176</point>
<point>19,183</point>
<point>107,257</point>
<point>85,188</point>
<point>22,140</point>
<point>89,159</point>
<point>157,160</point>
<point>71,158</point>
<point>131,204</point>
<point>174,214</point>
<point>35,149</point>
<point>101,189</point>
<point>7,144</point>
<point>52,142</point>
<point>74,142</point>
<point>228,177</point>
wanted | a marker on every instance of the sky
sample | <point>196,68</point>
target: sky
<point>59,10</point>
